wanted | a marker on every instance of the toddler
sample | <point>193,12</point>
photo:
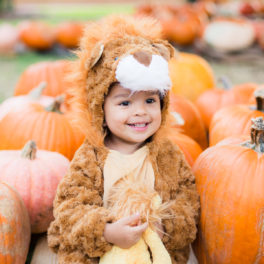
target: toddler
<point>121,88</point>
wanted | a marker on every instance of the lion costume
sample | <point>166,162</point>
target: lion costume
<point>114,50</point>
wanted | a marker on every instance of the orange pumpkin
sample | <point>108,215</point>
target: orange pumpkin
<point>48,127</point>
<point>191,75</point>
<point>235,120</point>
<point>68,34</point>
<point>16,102</point>
<point>190,148</point>
<point>51,72</point>
<point>14,227</point>
<point>35,175</point>
<point>181,28</point>
<point>212,100</point>
<point>37,34</point>
<point>229,179</point>
<point>186,117</point>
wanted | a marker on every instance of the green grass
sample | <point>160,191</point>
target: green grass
<point>56,13</point>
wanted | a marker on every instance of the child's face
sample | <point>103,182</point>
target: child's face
<point>131,119</point>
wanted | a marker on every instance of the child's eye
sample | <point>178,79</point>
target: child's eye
<point>124,103</point>
<point>150,101</point>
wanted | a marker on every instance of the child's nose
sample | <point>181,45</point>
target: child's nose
<point>140,109</point>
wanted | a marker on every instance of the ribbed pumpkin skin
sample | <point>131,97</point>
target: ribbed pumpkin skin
<point>193,124</point>
<point>209,102</point>
<point>190,148</point>
<point>50,130</point>
<point>14,227</point>
<point>231,121</point>
<point>52,72</point>
<point>230,182</point>
<point>36,181</point>
<point>191,75</point>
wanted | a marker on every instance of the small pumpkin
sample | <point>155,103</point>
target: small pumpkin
<point>191,75</point>
<point>48,126</point>
<point>68,34</point>
<point>229,35</point>
<point>35,175</point>
<point>14,227</point>
<point>51,72</point>
<point>9,39</point>
<point>186,117</point>
<point>37,35</point>
<point>235,120</point>
<point>229,180</point>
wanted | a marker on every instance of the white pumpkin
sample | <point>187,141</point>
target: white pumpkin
<point>229,36</point>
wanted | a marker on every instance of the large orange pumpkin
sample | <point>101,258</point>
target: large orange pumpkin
<point>212,100</point>
<point>37,34</point>
<point>187,118</point>
<point>229,179</point>
<point>14,227</point>
<point>35,175</point>
<point>51,72</point>
<point>191,75</point>
<point>48,127</point>
<point>235,120</point>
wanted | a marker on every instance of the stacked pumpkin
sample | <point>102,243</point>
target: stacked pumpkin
<point>35,168</point>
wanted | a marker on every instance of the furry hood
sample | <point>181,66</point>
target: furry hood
<point>107,50</point>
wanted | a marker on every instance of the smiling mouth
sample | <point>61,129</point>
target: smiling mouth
<point>139,125</point>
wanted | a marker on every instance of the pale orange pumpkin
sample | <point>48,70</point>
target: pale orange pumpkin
<point>14,227</point>
<point>35,175</point>
<point>51,72</point>
<point>68,34</point>
<point>235,120</point>
<point>191,75</point>
<point>16,102</point>
<point>37,34</point>
<point>212,100</point>
<point>190,148</point>
<point>49,127</point>
<point>186,117</point>
<point>229,179</point>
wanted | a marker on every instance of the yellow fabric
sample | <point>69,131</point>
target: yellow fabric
<point>119,165</point>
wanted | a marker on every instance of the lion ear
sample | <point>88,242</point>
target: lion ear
<point>96,54</point>
<point>165,50</point>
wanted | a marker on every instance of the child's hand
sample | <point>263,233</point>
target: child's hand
<point>125,232</point>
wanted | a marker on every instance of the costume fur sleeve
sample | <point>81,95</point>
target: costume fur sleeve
<point>78,210</point>
<point>176,183</point>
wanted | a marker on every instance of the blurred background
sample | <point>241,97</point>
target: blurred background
<point>33,31</point>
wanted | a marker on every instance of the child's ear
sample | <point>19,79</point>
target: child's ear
<point>96,54</point>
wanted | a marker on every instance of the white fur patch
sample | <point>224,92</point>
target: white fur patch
<point>137,77</point>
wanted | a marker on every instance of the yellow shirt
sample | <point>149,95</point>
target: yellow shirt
<point>119,165</point>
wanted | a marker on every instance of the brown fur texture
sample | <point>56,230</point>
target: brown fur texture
<point>76,234</point>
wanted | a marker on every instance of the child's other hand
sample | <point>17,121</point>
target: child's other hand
<point>125,232</point>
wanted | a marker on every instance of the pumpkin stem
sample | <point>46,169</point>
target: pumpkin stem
<point>29,151</point>
<point>257,135</point>
<point>259,95</point>
<point>225,81</point>
<point>37,91</point>
<point>55,106</point>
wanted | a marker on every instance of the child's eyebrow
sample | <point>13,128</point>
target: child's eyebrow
<point>121,95</point>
